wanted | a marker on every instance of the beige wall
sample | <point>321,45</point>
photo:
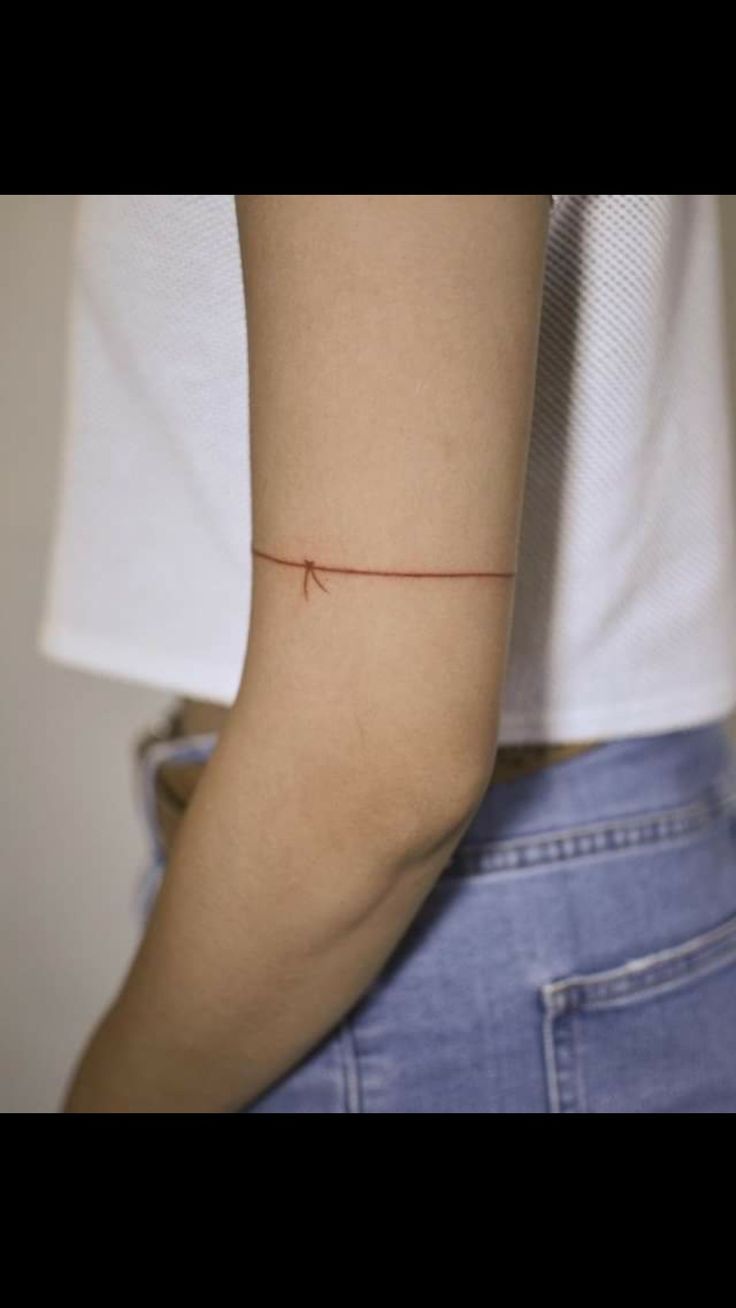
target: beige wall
<point>72,843</point>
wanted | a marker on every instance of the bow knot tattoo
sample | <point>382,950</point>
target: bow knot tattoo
<point>309,571</point>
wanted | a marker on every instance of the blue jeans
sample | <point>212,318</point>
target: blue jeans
<point>577,955</point>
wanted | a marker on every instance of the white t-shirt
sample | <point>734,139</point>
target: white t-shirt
<point>625,604</point>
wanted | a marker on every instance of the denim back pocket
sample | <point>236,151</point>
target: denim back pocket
<point>656,1034</point>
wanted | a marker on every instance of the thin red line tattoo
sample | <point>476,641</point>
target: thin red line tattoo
<point>311,568</point>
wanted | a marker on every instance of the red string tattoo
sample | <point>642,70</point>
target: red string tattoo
<point>311,568</point>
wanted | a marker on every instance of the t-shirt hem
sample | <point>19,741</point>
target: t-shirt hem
<point>584,722</point>
<point>645,716</point>
<point>124,663</point>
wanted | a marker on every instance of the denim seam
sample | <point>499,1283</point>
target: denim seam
<point>580,1105</point>
<point>562,1061</point>
<point>548,1041</point>
<point>353,1096</point>
<point>582,842</point>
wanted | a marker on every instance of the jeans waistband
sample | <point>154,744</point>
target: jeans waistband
<point>590,782</point>
<point>616,778</point>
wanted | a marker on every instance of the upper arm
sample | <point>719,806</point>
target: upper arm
<point>392,350</point>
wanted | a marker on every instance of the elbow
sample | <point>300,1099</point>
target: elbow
<point>420,811</point>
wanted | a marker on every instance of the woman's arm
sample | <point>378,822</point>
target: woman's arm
<point>392,348</point>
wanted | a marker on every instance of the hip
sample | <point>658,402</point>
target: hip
<point>577,954</point>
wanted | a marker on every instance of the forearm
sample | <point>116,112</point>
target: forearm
<point>276,913</point>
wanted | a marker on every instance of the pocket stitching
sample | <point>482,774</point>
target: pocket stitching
<point>639,978</point>
<point>562,1063</point>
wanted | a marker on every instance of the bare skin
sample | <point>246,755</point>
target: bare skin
<point>392,351</point>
